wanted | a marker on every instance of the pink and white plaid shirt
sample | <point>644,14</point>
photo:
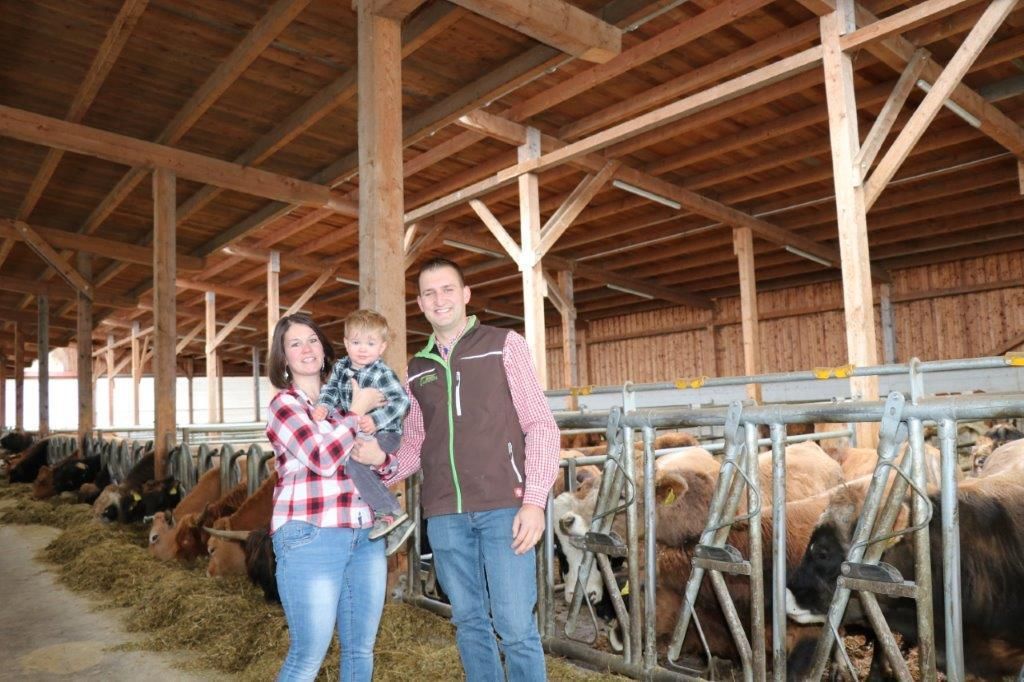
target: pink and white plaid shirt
<point>312,485</point>
<point>535,418</point>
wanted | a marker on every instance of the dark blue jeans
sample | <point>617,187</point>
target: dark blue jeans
<point>329,576</point>
<point>492,590</point>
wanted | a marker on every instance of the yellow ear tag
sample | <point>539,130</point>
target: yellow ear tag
<point>173,491</point>
<point>136,496</point>
<point>671,497</point>
<point>625,589</point>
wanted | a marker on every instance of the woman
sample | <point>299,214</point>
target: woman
<point>328,571</point>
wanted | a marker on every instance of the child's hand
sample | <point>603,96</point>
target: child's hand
<point>366,424</point>
<point>320,413</point>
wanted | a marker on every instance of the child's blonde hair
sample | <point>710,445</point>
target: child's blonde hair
<point>366,320</point>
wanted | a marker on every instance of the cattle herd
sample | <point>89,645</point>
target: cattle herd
<point>825,491</point>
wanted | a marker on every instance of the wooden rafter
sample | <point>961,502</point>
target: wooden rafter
<point>108,248</point>
<point>233,323</point>
<point>190,336</point>
<point>424,242</point>
<point>309,292</point>
<point>901,22</point>
<point>498,230</point>
<point>50,255</point>
<point>52,132</point>
<point>562,218</point>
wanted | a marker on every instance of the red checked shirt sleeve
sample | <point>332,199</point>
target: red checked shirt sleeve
<point>413,434</point>
<point>535,418</point>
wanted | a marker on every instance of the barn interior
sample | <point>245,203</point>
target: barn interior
<point>647,190</point>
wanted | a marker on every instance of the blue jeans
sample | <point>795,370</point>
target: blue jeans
<point>329,576</point>
<point>492,591</point>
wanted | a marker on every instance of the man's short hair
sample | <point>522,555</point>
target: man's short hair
<point>437,264</point>
<point>366,320</point>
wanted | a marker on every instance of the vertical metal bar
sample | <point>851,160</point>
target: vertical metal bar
<point>549,569</point>
<point>412,488</point>
<point>650,657</point>
<point>632,549</point>
<point>951,552</point>
<point>756,557</point>
<point>732,619</point>
<point>778,434</point>
<point>922,556</point>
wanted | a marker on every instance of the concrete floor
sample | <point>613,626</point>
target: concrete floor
<point>50,634</point>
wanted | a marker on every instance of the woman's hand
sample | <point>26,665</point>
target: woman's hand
<point>368,452</point>
<point>365,399</point>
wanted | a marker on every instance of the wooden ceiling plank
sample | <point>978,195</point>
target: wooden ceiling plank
<point>555,23</point>
<point>424,242</point>
<point>108,52</point>
<point>562,218</point>
<point>48,131</point>
<point>682,33</point>
<point>50,256</point>
<point>933,102</point>
<point>902,21</point>
<point>392,9</point>
<point>108,248</point>
<point>785,41</point>
<point>277,18</point>
<point>498,230</point>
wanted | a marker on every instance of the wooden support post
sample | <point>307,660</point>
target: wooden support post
<point>850,210</point>
<point>165,333</point>
<point>110,379</point>
<point>743,247</point>
<point>888,327</point>
<point>19,377</point>
<point>534,285</point>
<point>212,365</point>
<point>570,358</point>
<point>381,202</point>
<point>220,388</point>
<point>136,370</point>
<point>43,354</point>
<point>273,295</point>
<point>190,373</point>
<point>3,391</point>
<point>257,416</point>
<point>584,356</point>
<point>86,418</point>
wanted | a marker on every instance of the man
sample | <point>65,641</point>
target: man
<point>481,429</point>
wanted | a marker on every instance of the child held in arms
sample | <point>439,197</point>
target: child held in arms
<point>366,338</point>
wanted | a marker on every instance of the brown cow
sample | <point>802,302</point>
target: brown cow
<point>991,511</point>
<point>163,542</point>
<point>42,487</point>
<point>1007,458</point>
<point>997,435</point>
<point>189,538</point>
<point>227,557</point>
<point>860,462</point>
<point>583,472</point>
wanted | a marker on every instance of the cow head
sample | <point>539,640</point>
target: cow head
<point>42,487</point>
<point>227,552</point>
<point>573,513</point>
<point>72,474</point>
<point>161,536</point>
<point>683,498</point>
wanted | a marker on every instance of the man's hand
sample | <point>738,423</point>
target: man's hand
<point>320,413</point>
<point>366,424</point>
<point>527,528</point>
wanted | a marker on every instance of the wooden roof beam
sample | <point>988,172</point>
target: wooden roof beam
<point>59,293</point>
<point>52,132</point>
<point>902,21</point>
<point>108,248</point>
<point>555,23</point>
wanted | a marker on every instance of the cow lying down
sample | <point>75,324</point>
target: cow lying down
<point>991,513</point>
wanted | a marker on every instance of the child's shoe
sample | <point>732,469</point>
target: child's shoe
<point>398,536</point>
<point>385,523</point>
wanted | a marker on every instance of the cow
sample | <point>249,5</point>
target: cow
<point>42,487</point>
<point>991,512</point>
<point>139,495</point>
<point>162,533</point>
<point>31,460</point>
<point>583,472</point>
<point>860,462</point>
<point>74,472</point>
<point>257,549</point>
<point>16,441</point>
<point>183,537</point>
<point>997,435</point>
<point>1006,458</point>
<point>227,557</point>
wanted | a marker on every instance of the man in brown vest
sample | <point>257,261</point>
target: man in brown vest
<point>481,430</point>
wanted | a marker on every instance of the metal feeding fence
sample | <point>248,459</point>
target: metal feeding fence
<point>901,419</point>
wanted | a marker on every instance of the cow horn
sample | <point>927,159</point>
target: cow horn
<point>240,535</point>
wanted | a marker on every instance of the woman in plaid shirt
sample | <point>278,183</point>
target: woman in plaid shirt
<point>328,571</point>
